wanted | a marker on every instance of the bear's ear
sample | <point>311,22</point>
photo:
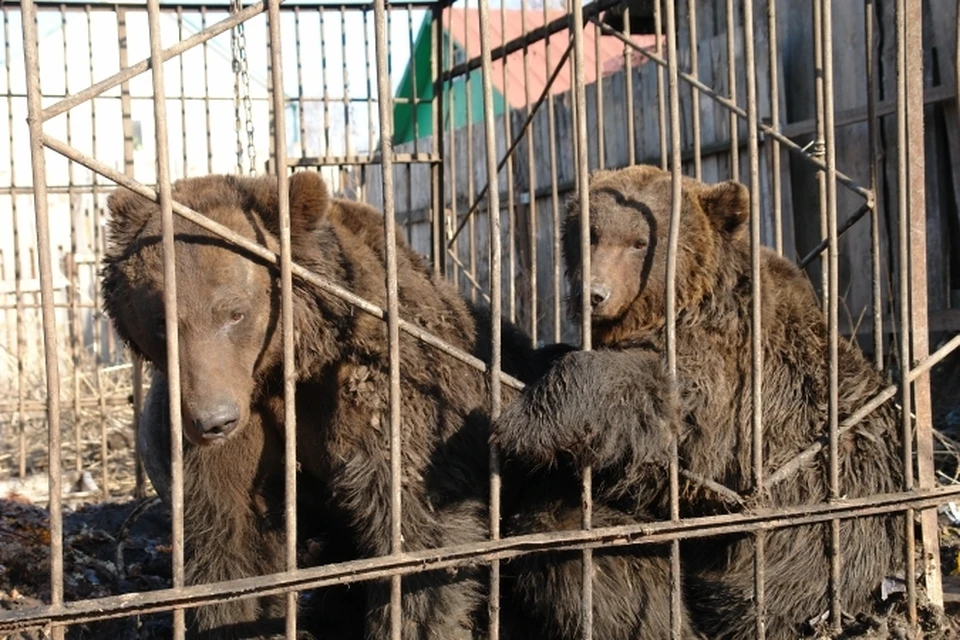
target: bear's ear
<point>727,205</point>
<point>309,200</point>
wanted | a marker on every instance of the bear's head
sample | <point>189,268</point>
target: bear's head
<point>629,233</point>
<point>228,300</point>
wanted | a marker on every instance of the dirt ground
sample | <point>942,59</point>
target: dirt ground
<point>123,545</point>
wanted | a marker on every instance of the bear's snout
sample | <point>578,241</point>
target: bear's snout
<point>217,420</point>
<point>599,293</point>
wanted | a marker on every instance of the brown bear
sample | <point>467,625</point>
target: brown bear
<point>231,386</point>
<point>609,408</point>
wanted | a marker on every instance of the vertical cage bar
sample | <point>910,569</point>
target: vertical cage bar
<point>301,120</point>
<point>818,144</point>
<point>601,151</point>
<point>128,170</point>
<point>776,188</point>
<point>393,310</point>
<point>913,46</point>
<point>169,304</point>
<point>511,208</point>
<point>347,101</point>
<point>17,265</point>
<point>472,220</point>
<point>580,121</point>
<point>554,192</point>
<point>661,95</point>
<point>73,290</point>
<point>493,208</point>
<point>453,251</point>
<point>903,187</point>
<point>732,86</point>
<point>184,172</point>
<point>325,80</point>
<point>206,90</point>
<point>531,180</point>
<point>833,296</point>
<point>694,91</point>
<point>286,313</point>
<point>673,86</point>
<point>98,256</point>
<point>628,83</point>
<point>414,95</point>
<point>31,53</point>
<point>436,169</point>
<point>756,342</point>
<point>369,74</point>
<point>872,124</point>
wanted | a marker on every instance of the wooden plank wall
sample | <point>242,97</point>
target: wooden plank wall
<point>799,192</point>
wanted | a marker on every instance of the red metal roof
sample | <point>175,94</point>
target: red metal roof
<point>508,24</point>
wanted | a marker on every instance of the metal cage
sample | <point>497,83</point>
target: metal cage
<point>861,129</point>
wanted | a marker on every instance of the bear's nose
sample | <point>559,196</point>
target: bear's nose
<point>599,294</point>
<point>218,421</point>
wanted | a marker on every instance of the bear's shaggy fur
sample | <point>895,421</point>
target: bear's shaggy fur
<point>609,408</point>
<point>231,387</point>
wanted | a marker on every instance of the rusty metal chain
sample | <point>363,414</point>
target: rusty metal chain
<point>241,94</point>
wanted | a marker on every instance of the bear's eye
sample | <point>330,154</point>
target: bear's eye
<point>640,245</point>
<point>236,317</point>
<point>593,236</point>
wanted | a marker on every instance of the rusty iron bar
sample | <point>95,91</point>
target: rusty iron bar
<point>136,69</point>
<point>554,194</point>
<point>872,125</point>
<point>493,215</point>
<point>864,209</point>
<point>818,147</point>
<point>17,267</point>
<point>98,257</point>
<point>454,193</point>
<point>436,171</point>
<point>903,248</point>
<point>361,160</point>
<point>286,313</point>
<point>513,145</point>
<point>694,92</point>
<point>673,247</point>
<point>468,104</point>
<point>511,205</point>
<point>779,136</point>
<point>919,333</point>
<point>31,59</point>
<point>393,308</point>
<point>732,85</point>
<point>756,312</point>
<point>586,341</point>
<point>661,97</point>
<point>468,275</point>
<point>304,274</point>
<point>833,298</point>
<point>206,89</point>
<point>774,74</point>
<point>165,200</point>
<point>532,234</point>
<point>459,555</point>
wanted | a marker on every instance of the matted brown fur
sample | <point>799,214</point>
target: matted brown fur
<point>609,408</point>
<point>230,363</point>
